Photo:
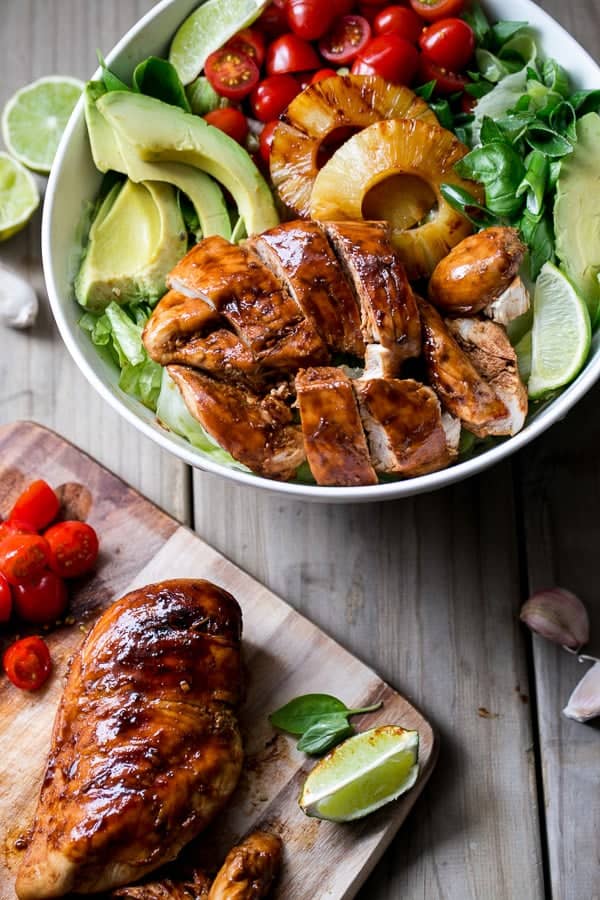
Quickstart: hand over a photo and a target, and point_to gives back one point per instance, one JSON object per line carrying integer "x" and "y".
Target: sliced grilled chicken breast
{"x": 389, "y": 313}
{"x": 487, "y": 346}
{"x": 234, "y": 281}
{"x": 299, "y": 254}
{"x": 403, "y": 421}
{"x": 146, "y": 747}
{"x": 334, "y": 440}
{"x": 256, "y": 431}
{"x": 249, "y": 869}
{"x": 512, "y": 303}
{"x": 196, "y": 888}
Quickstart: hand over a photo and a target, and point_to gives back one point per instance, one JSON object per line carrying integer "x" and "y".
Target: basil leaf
{"x": 513, "y": 127}
{"x": 555, "y": 77}
{"x": 542, "y": 137}
{"x": 490, "y": 66}
{"x": 500, "y": 169}
{"x": 585, "y": 101}
{"x": 477, "y": 19}
{"x": 538, "y": 234}
{"x": 490, "y": 131}
{"x": 325, "y": 733}
{"x": 158, "y": 78}
{"x": 442, "y": 110}
{"x": 299, "y": 714}
{"x": 505, "y": 30}
{"x": 553, "y": 173}
{"x": 535, "y": 182}
{"x": 466, "y": 204}
{"x": 426, "y": 90}
{"x": 479, "y": 89}
{"x": 111, "y": 81}
{"x": 563, "y": 119}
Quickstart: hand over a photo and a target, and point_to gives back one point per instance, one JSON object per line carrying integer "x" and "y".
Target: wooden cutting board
{"x": 285, "y": 654}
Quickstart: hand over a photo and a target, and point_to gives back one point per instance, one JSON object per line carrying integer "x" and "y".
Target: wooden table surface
{"x": 425, "y": 590}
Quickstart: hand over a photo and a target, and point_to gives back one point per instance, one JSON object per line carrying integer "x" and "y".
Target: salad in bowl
{"x": 348, "y": 251}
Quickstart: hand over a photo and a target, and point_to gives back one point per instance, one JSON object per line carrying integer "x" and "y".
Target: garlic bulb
{"x": 559, "y": 616}
{"x": 18, "y": 300}
{"x": 584, "y": 702}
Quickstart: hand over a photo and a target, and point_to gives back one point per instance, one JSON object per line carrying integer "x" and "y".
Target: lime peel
{"x": 19, "y": 196}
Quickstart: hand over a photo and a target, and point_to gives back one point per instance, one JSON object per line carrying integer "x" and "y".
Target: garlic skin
{"x": 584, "y": 702}
{"x": 559, "y": 616}
{"x": 18, "y": 301}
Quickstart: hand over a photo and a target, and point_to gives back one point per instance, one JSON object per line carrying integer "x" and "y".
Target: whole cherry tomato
{"x": 399, "y": 20}
{"x": 447, "y": 82}
{"x": 230, "y": 120}
{"x": 432, "y": 10}
{"x": 5, "y": 599}
{"x": 389, "y": 56}
{"x": 27, "y": 663}
{"x": 233, "y": 74}
{"x": 41, "y": 600}
{"x": 321, "y": 74}
{"x": 448, "y": 43}
{"x": 73, "y": 548}
{"x": 341, "y": 7}
{"x": 290, "y": 53}
{"x": 273, "y": 21}
{"x": 251, "y": 42}
{"x": 272, "y": 96}
{"x": 23, "y": 556}
{"x": 266, "y": 139}
{"x": 38, "y": 505}
{"x": 345, "y": 40}
{"x": 15, "y": 526}
{"x": 373, "y": 3}
{"x": 309, "y": 19}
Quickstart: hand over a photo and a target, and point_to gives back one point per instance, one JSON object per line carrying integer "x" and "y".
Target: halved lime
{"x": 208, "y": 28}
{"x": 36, "y": 116}
{"x": 561, "y": 335}
{"x": 19, "y": 196}
{"x": 361, "y": 774}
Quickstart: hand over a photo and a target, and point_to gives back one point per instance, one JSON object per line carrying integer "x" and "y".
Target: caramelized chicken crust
{"x": 249, "y": 868}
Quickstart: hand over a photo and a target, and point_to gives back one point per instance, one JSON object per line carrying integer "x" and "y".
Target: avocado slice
{"x": 137, "y": 237}
{"x": 111, "y": 151}
{"x": 158, "y": 132}
{"x": 577, "y": 213}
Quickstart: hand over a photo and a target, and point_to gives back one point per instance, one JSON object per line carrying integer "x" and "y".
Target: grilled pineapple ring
{"x": 397, "y": 147}
{"x": 349, "y": 101}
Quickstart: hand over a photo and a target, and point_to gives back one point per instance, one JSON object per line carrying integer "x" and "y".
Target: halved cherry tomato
{"x": 309, "y": 19}
{"x": 322, "y": 74}
{"x": 232, "y": 74}
{"x": 23, "y": 556}
{"x": 399, "y": 20}
{"x": 272, "y": 96}
{"x": 15, "y": 526}
{"x": 447, "y": 82}
{"x": 73, "y": 548}
{"x": 230, "y": 120}
{"x": 266, "y": 139}
{"x": 432, "y": 10}
{"x": 290, "y": 53}
{"x": 448, "y": 43}
{"x": 38, "y": 505}
{"x": 27, "y": 663}
{"x": 273, "y": 21}
{"x": 41, "y": 600}
{"x": 345, "y": 40}
{"x": 5, "y": 599}
{"x": 251, "y": 42}
{"x": 389, "y": 56}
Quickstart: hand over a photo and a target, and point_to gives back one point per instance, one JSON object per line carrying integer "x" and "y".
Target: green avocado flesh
{"x": 577, "y": 213}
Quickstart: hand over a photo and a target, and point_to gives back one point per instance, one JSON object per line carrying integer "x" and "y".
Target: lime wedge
{"x": 561, "y": 335}
{"x": 361, "y": 774}
{"x": 523, "y": 351}
{"x": 19, "y": 196}
{"x": 36, "y": 116}
{"x": 208, "y": 28}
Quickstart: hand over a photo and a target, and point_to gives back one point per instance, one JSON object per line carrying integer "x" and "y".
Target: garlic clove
{"x": 559, "y": 616}
{"x": 18, "y": 300}
{"x": 584, "y": 702}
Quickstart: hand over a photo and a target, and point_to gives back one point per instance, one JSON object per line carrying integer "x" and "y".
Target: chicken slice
{"x": 388, "y": 308}
{"x": 403, "y": 421}
{"x": 146, "y": 747}
{"x": 236, "y": 284}
{"x": 487, "y": 346}
{"x": 511, "y": 304}
{"x": 463, "y": 391}
{"x": 334, "y": 439}
{"x": 197, "y": 888}
{"x": 256, "y": 431}
{"x": 249, "y": 869}
{"x": 299, "y": 254}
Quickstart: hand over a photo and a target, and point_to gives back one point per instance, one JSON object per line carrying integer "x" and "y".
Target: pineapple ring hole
{"x": 333, "y": 141}
{"x": 402, "y": 200}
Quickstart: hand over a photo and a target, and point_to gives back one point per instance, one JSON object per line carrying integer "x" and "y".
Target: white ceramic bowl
{"x": 74, "y": 181}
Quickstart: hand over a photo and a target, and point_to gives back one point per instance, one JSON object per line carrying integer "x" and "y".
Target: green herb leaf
{"x": 500, "y": 169}
{"x": 442, "y": 110}
{"x": 535, "y": 181}
{"x": 464, "y": 203}
{"x": 158, "y": 78}
{"x": 505, "y": 30}
{"x": 325, "y": 733}
{"x": 542, "y": 137}
{"x": 111, "y": 81}
{"x": 479, "y": 89}
{"x": 491, "y": 66}
{"x": 477, "y": 19}
{"x": 585, "y": 102}
{"x": 563, "y": 119}
{"x": 538, "y": 234}
{"x": 426, "y": 90}
{"x": 300, "y": 714}
{"x": 490, "y": 131}
{"x": 514, "y": 126}
{"x": 555, "y": 77}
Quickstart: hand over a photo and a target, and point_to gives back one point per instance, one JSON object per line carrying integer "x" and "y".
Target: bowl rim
{"x": 556, "y": 410}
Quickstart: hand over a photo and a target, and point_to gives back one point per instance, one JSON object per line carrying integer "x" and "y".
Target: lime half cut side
{"x": 362, "y": 774}
{"x": 19, "y": 196}
{"x": 35, "y": 118}
{"x": 207, "y": 29}
{"x": 561, "y": 335}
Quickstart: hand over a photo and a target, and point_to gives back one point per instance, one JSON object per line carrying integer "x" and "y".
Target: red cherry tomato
{"x": 373, "y": 3}
{"x": 73, "y": 548}
{"x": 341, "y": 7}
{"x": 389, "y": 56}
{"x": 27, "y": 663}
{"x": 290, "y": 53}
{"x": 448, "y": 43}
{"x": 272, "y": 96}
{"x": 232, "y": 74}
{"x": 251, "y": 42}
{"x": 432, "y": 10}
{"x": 230, "y": 120}
{"x": 266, "y": 139}
{"x": 38, "y": 505}
{"x": 273, "y": 22}
{"x": 399, "y": 20}
{"x": 446, "y": 82}
{"x": 5, "y": 599}
{"x": 467, "y": 103}
{"x": 15, "y": 526}
{"x": 23, "y": 556}
{"x": 309, "y": 19}
{"x": 322, "y": 74}
{"x": 346, "y": 39}
{"x": 41, "y": 600}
